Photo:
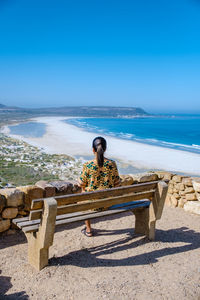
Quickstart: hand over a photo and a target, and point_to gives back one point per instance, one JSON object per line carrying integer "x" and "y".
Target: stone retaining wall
{"x": 183, "y": 192}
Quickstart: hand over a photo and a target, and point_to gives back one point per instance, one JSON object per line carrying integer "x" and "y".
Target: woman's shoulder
{"x": 88, "y": 163}
{"x": 109, "y": 161}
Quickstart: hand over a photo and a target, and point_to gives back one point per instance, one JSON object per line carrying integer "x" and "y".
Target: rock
{"x": 196, "y": 185}
{"x": 198, "y": 196}
{"x": 168, "y": 176}
{"x": 126, "y": 180}
{"x": 170, "y": 190}
{"x": 187, "y": 181}
{"x": 49, "y": 190}
{"x": 76, "y": 188}
{"x": 182, "y": 193}
{"x": 179, "y": 186}
{"x": 175, "y": 190}
{"x": 23, "y": 213}
{"x": 148, "y": 177}
{"x": 176, "y": 195}
{"x": 14, "y": 197}
{"x": 177, "y": 178}
{"x": 181, "y": 202}
{"x": 31, "y": 192}
{"x": 174, "y": 201}
{"x": 10, "y": 213}
{"x": 164, "y": 175}
{"x": 62, "y": 187}
{"x": 2, "y": 202}
{"x": 4, "y": 225}
{"x": 191, "y": 197}
{"x": 189, "y": 190}
{"x": 192, "y": 207}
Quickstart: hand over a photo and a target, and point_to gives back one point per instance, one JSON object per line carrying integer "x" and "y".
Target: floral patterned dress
{"x": 95, "y": 178}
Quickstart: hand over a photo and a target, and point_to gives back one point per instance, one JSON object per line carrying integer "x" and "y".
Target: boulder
{"x": 176, "y": 195}
{"x": 10, "y": 212}
{"x": 196, "y": 185}
{"x": 181, "y": 202}
{"x": 23, "y": 212}
{"x": 31, "y": 192}
{"x": 2, "y": 202}
{"x": 179, "y": 186}
{"x": 182, "y": 193}
{"x": 62, "y": 187}
{"x": 49, "y": 190}
{"x": 14, "y": 197}
{"x": 164, "y": 175}
{"x": 76, "y": 188}
{"x": 126, "y": 180}
{"x": 187, "y": 181}
{"x": 148, "y": 177}
{"x": 189, "y": 190}
{"x": 192, "y": 207}
{"x": 4, "y": 225}
{"x": 177, "y": 178}
{"x": 174, "y": 201}
{"x": 170, "y": 190}
{"x": 191, "y": 197}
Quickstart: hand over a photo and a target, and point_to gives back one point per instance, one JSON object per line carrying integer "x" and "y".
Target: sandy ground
{"x": 61, "y": 137}
{"x": 114, "y": 264}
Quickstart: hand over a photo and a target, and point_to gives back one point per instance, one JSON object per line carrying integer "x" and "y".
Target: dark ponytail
{"x": 99, "y": 146}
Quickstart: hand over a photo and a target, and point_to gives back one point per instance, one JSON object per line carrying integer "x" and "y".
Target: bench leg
{"x": 39, "y": 242}
{"x": 143, "y": 224}
{"x": 37, "y": 256}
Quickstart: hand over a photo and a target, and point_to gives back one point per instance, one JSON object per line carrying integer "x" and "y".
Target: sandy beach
{"x": 61, "y": 137}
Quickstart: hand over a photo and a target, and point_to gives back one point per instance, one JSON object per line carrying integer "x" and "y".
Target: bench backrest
{"x": 103, "y": 198}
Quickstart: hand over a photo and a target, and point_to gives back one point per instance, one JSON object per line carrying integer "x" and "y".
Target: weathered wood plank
{"x": 88, "y": 216}
{"x": 118, "y": 191}
{"x": 34, "y": 215}
{"x": 17, "y": 220}
{"x": 25, "y": 223}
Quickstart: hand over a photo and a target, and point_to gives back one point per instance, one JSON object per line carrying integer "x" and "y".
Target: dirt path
{"x": 114, "y": 264}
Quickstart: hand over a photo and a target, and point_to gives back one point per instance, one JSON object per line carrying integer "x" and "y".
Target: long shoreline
{"x": 64, "y": 138}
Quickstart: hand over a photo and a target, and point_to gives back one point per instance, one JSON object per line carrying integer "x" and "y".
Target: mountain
{"x": 78, "y": 111}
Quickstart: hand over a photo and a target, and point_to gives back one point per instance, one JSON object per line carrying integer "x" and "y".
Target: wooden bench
{"x": 145, "y": 200}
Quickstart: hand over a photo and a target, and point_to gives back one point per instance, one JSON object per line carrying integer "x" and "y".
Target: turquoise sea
{"x": 178, "y": 132}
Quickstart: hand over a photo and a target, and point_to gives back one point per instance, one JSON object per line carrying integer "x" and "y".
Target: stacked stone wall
{"x": 183, "y": 192}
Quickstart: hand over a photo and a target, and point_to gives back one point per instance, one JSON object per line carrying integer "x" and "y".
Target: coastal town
{"x": 21, "y": 163}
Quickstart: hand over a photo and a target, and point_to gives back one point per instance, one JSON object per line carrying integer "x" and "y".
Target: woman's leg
{"x": 88, "y": 227}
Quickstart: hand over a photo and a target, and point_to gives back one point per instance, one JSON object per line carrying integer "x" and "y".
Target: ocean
{"x": 177, "y": 132}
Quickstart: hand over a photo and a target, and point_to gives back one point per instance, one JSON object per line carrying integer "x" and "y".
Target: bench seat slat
{"x": 91, "y": 215}
{"x": 17, "y": 220}
{"x": 102, "y": 194}
{"x": 25, "y": 223}
{"x": 36, "y": 214}
{"x": 68, "y": 218}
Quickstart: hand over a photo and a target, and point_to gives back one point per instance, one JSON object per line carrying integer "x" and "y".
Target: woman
{"x": 98, "y": 174}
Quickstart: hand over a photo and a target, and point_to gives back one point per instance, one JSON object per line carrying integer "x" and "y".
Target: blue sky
{"x": 123, "y": 53}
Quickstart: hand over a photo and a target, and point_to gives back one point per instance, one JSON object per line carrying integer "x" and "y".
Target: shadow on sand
{"x": 5, "y": 285}
{"x": 90, "y": 257}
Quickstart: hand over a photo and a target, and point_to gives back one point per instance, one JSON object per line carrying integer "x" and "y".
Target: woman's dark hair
{"x": 99, "y": 146}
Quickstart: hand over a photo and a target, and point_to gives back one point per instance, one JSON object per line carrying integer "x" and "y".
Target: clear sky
{"x": 109, "y": 52}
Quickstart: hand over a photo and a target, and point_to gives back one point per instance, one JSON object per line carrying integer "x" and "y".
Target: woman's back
{"x": 94, "y": 177}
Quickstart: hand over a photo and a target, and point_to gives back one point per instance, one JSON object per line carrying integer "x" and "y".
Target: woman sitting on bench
{"x": 98, "y": 174}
